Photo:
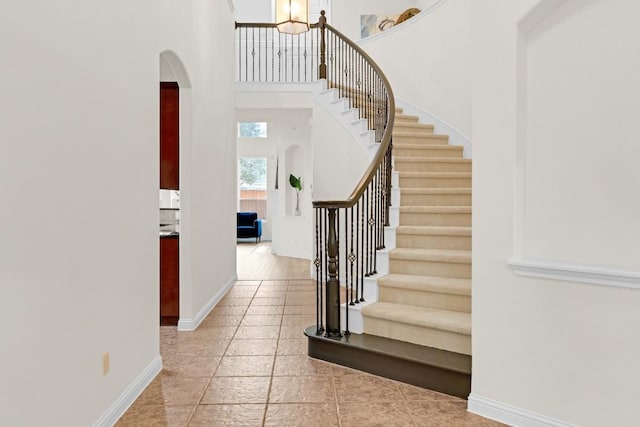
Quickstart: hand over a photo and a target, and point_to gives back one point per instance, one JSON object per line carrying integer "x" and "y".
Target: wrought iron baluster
{"x": 323, "y": 47}
{"x": 352, "y": 259}
{"x": 259, "y": 55}
{"x": 324, "y": 266}
{"x": 374, "y": 223}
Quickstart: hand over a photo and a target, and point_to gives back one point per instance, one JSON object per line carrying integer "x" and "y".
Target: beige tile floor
{"x": 246, "y": 365}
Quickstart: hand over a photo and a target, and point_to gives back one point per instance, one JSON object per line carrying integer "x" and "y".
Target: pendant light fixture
{"x": 292, "y": 16}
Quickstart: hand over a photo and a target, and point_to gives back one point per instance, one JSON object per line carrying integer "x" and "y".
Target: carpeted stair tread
{"x": 416, "y": 126}
{"x": 432, "y": 159}
{"x": 406, "y": 118}
{"x": 445, "y": 285}
{"x": 436, "y": 149}
{"x": 430, "y": 230}
{"x": 435, "y": 191}
{"x": 436, "y": 209}
{"x": 444, "y": 320}
{"x": 456, "y": 256}
{"x": 436, "y": 174}
{"x": 420, "y": 135}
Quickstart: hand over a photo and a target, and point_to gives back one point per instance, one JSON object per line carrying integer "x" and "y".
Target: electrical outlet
{"x": 105, "y": 363}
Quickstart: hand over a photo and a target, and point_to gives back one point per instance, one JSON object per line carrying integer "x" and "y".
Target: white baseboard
{"x": 510, "y": 415}
{"x": 126, "y": 399}
{"x": 192, "y": 324}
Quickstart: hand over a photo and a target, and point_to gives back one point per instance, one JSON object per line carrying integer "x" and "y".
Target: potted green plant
{"x": 296, "y": 183}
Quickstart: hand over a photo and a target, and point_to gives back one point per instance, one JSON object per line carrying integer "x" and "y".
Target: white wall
{"x": 556, "y": 92}
{"x": 427, "y": 62}
{"x": 79, "y": 257}
{"x": 339, "y": 162}
{"x": 254, "y": 11}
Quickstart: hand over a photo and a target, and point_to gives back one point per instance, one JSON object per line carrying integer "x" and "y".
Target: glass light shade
{"x": 292, "y": 16}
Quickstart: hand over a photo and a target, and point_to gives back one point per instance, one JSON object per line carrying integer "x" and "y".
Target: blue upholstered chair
{"x": 249, "y": 225}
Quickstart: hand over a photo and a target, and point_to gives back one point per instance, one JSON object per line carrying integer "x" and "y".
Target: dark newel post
{"x": 323, "y": 47}
{"x": 333, "y": 283}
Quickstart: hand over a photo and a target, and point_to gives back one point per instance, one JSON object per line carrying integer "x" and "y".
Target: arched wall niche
{"x": 295, "y": 164}
{"x": 577, "y": 65}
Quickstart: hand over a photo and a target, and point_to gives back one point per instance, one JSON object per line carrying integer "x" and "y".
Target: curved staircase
{"x": 426, "y": 297}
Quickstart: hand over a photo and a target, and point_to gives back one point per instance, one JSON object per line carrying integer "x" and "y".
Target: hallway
{"x": 246, "y": 365}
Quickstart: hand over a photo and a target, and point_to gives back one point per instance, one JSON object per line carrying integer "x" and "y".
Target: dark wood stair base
{"x": 426, "y": 367}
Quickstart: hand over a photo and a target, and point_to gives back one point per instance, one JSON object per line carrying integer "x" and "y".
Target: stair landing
{"x": 426, "y": 367}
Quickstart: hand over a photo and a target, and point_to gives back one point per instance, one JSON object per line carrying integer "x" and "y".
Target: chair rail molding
{"x": 595, "y": 275}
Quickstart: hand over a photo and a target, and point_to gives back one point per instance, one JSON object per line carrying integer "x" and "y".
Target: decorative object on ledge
{"x": 372, "y": 24}
{"x": 292, "y": 16}
{"x": 409, "y": 13}
{"x": 296, "y": 182}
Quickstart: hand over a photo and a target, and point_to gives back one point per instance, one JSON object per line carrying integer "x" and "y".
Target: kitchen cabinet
{"x": 169, "y": 135}
{"x": 169, "y": 280}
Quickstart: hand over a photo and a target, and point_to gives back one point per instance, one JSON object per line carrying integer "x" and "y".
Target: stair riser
{"x": 420, "y": 241}
{"x": 435, "y": 199}
{"x": 425, "y": 299}
{"x": 415, "y": 182}
{"x": 444, "y": 340}
{"x": 425, "y": 151}
{"x": 425, "y": 139}
{"x": 394, "y": 215}
{"x": 435, "y": 219}
{"x": 413, "y": 166}
{"x": 390, "y": 238}
{"x": 430, "y": 268}
{"x": 356, "y": 323}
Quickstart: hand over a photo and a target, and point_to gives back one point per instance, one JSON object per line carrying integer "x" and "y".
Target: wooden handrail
{"x": 264, "y": 25}
{"x": 386, "y": 138}
{"x": 348, "y": 232}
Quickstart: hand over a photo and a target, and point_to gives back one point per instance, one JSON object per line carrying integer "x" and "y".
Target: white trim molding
{"x": 441, "y": 126}
{"x": 596, "y": 275}
{"x": 126, "y": 399}
{"x": 186, "y": 325}
{"x": 510, "y": 415}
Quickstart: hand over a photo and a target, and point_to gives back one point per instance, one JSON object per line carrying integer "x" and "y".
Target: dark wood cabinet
{"x": 169, "y": 280}
{"x": 169, "y": 135}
